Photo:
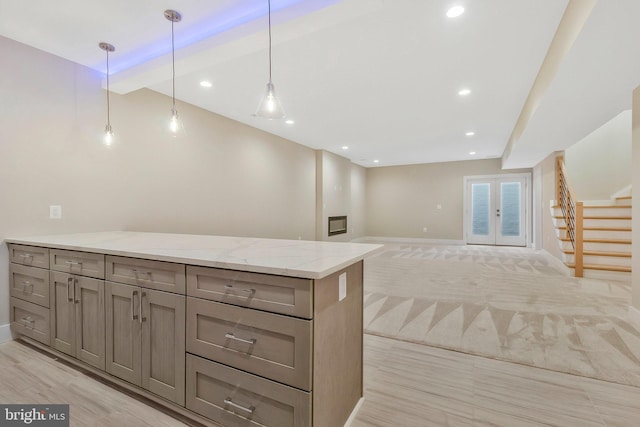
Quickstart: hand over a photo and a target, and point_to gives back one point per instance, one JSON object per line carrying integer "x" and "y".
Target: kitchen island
{"x": 227, "y": 331}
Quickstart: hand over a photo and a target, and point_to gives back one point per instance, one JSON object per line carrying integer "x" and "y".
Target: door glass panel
{"x": 510, "y": 208}
{"x": 480, "y": 208}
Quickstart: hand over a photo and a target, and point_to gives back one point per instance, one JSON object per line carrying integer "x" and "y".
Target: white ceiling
{"x": 380, "y": 76}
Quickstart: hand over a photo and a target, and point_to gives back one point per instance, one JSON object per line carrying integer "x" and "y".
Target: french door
{"x": 496, "y": 210}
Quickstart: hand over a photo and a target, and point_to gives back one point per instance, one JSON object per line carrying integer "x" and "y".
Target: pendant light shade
{"x": 270, "y": 106}
{"x": 108, "y": 131}
{"x": 175, "y": 123}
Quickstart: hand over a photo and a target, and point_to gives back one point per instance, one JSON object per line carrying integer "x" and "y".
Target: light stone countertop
{"x": 295, "y": 258}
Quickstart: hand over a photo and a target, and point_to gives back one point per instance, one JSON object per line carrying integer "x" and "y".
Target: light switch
{"x": 342, "y": 286}
{"x": 55, "y": 212}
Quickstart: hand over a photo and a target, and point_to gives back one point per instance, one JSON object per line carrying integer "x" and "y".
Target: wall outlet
{"x": 55, "y": 212}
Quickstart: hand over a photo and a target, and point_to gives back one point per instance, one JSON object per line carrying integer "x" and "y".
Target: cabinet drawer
{"x": 235, "y": 398}
{"x": 279, "y": 294}
{"x": 163, "y": 276}
{"x": 30, "y": 284}
{"x": 82, "y": 263}
{"x": 271, "y": 345}
{"x": 29, "y": 255}
{"x": 30, "y": 320}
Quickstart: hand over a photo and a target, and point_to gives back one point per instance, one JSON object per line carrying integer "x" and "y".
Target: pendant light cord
{"x": 269, "y": 2}
{"x": 108, "y": 101}
{"x": 173, "y": 62}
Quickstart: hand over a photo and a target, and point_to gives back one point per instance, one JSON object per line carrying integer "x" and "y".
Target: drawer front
{"x": 163, "y": 276}
{"x": 30, "y": 320}
{"x": 279, "y": 294}
{"x": 270, "y": 345}
{"x": 235, "y": 398}
{"x": 81, "y": 263}
{"x": 29, "y": 255}
{"x": 30, "y": 284}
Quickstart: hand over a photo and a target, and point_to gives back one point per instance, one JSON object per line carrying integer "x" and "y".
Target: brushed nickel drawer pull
{"x": 26, "y": 256}
{"x": 136, "y": 272}
{"x": 230, "y": 336}
{"x": 133, "y": 305}
{"x": 72, "y": 263}
{"x": 28, "y": 322}
{"x": 231, "y": 403}
{"x": 26, "y": 284}
{"x": 231, "y": 288}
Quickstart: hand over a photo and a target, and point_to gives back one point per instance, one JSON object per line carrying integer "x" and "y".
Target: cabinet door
{"x": 163, "y": 344}
{"x": 63, "y": 333}
{"x": 90, "y": 341}
{"x": 123, "y": 331}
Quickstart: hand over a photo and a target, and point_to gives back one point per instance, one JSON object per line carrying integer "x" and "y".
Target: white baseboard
{"x": 374, "y": 239}
{"x": 5, "y": 333}
{"x": 354, "y": 413}
{"x": 634, "y": 317}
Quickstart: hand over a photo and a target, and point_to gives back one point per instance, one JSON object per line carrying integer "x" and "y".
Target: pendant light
{"x": 108, "y": 131}
{"x": 270, "y": 107}
{"x": 175, "y": 123}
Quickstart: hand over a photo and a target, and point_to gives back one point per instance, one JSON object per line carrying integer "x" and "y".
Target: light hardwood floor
{"x": 406, "y": 385}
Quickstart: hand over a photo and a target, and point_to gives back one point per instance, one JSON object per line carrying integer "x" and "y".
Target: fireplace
{"x": 337, "y": 225}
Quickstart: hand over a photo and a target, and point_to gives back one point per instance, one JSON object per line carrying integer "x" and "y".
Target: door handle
{"x": 133, "y": 305}
{"x": 69, "y": 280}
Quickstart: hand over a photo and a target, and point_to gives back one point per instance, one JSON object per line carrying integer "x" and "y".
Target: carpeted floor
{"x": 503, "y": 303}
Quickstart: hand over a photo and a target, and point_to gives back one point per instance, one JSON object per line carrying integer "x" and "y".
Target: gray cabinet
{"x": 145, "y": 339}
{"x": 77, "y": 317}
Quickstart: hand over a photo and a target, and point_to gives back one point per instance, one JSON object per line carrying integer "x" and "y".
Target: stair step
{"x": 599, "y": 253}
{"x": 619, "y": 268}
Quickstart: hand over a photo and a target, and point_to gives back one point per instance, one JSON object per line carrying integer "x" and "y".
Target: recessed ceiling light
{"x": 289, "y": 122}
{"x": 455, "y": 11}
{"x": 345, "y": 147}
{"x": 376, "y": 161}
{"x": 464, "y": 92}
{"x": 472, "y": 153}
{"x": 205, "y": 83}
{"x": 470, "y": 133}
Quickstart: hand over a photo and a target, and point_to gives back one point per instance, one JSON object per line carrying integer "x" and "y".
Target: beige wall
{"x": 402, "y": 200}
{"x": 635, "y": 226}
{"x": 222, "y": 178}
{"x": 357, "y": 218}
{"x": 546, "y": 169}
{"x": 600, "y": 164}
{"x": 333, "y": 193}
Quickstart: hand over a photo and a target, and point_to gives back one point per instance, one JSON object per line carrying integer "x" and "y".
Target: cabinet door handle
{"x": 247, "y": 291}
{"x": 231, "y": 403}
{"x": 69, "y": 280}
{"x": 133, "y": 305}
{"x": 230, "y": 336}
{"x": 142, "y": 319}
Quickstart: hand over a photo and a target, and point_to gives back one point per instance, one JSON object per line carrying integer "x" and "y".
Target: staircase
{"x": 606, "y": 239}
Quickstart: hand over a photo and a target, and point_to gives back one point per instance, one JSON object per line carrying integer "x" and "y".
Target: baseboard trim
{"x": 634, "y": 317}
{"x": 5, "y": 333}
{"x": 373, "y": 239}
{"x": 354, "y": 413}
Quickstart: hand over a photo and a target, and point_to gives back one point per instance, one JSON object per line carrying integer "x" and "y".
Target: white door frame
{"x": 527, "y": 214}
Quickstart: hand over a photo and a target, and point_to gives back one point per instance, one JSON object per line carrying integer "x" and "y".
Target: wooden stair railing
{"x": 572, "y": 211}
